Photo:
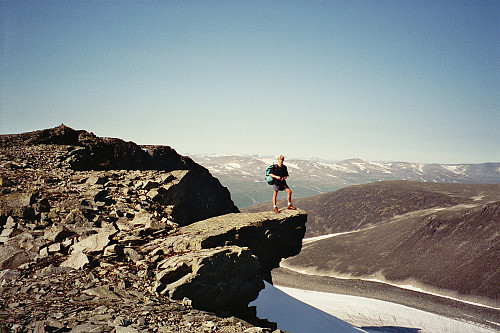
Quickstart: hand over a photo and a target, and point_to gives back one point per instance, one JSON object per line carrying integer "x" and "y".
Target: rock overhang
{"x": 228, "y": 256}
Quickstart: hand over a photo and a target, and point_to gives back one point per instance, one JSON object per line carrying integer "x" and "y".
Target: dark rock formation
{"x": 86, "y": 151}
{"x": 222, "y": 279}
{"x": 86, "y": 232}
{"x": 196, "y": 196}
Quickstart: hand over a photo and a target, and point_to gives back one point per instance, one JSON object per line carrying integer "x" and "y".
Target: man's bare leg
{"x": 275, "y": 208}
{"x": 289, "y": 197}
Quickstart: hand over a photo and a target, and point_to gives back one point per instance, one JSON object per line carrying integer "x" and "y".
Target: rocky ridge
{"x": 102, "y": 235}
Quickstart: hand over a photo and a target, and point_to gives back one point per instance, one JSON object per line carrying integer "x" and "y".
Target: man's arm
{"x": 274, "y": 176}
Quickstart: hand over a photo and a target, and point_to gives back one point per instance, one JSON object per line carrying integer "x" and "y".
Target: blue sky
{"x": 378, "y": 80}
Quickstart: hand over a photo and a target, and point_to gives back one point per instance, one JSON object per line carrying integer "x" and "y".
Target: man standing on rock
{"x": 279, "y": 173}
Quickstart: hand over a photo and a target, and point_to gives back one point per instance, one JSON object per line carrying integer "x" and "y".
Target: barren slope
{"x": 443, "y": 237}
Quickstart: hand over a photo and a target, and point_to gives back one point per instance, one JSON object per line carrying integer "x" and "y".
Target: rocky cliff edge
{"x": 103, "y": 235}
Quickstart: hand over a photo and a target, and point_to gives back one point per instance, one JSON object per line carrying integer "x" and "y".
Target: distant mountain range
{"x": 436, "y": 236}
{"x": 243, "y": 175}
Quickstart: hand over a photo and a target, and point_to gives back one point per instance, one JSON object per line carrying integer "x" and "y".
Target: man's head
{"x": 281, "y": 158}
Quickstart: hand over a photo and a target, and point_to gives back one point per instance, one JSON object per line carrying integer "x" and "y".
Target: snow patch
{"x": 232, "y": 165}
{"x": 456, "y": 169}
{"x": 380, "y": 316}
{"x": 340, "y": 168}
{"x": 291, "y": 165}
{"x": 317, "y": 238}
{"x": 380, "y": 165}
{"x": 361, "y": 166}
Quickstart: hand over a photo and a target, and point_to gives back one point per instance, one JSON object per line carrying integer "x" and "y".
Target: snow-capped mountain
{"x": 244, "y": 175}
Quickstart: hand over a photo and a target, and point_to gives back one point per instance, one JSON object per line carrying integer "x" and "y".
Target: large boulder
{"x": 94, "y": 243}
{"x": 12, "y": 257}
{"x": 220, "y": 280}
{"x": 76, "y": 260}
{"x": 194, "y": 196}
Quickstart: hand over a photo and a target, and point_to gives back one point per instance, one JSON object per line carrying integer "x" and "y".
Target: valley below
{"x": 429, "y": 246}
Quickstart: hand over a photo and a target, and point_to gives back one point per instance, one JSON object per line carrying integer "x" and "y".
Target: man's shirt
{"x": 280, "y": 172}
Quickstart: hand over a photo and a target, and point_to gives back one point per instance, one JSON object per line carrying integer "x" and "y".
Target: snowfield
{"x": 295, "y": 316}
{"x": 304, "y": 311}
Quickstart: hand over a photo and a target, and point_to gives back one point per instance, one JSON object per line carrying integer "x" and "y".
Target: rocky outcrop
{"x": 171, "y": 179}
{"x": 196, "y": 196}
{"x": 233, "y": 249}
{"x": 102, "y": 234}
{"x": 270, "y": 236}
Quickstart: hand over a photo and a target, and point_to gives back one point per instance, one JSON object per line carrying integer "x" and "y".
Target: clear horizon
{"x": 314, "y": 158}
{"x": 414, "y": 81}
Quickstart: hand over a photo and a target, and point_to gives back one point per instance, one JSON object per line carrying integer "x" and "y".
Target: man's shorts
{"x": 281, "y": 187}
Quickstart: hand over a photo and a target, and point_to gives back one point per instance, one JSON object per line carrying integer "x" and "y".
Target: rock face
{"x": 270, "y": 236}
{"x": 99, "y": 234}
{"x": 223, "y": 279}
{"x": 242, "y": 249}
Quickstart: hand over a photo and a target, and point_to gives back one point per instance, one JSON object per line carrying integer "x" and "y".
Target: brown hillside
{"x": 455, "y": 249}
{"x": 438, "y": 236}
